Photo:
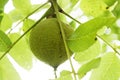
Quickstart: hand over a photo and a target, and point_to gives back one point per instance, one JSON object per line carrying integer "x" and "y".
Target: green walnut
{"x": 46, "y": 42}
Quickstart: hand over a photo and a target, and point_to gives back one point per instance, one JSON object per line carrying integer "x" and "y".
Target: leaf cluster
{"x": 94, "y": 41}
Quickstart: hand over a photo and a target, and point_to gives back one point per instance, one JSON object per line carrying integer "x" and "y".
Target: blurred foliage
{"x": 95, "y": 42}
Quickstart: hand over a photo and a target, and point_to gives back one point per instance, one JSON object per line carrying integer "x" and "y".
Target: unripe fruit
{"x": 47, "y": 44}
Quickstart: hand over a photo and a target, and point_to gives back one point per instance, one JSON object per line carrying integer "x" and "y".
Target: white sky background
{"x": 40, "y": 71}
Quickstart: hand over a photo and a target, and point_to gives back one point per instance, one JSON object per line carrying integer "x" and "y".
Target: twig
{"x": 27, "y": 16}
{"x": 24, "y": 35}
{"x": 63, "y": 36}
{"x": 108, "y": 44}
{"x": 70, "y": 16}
{"x": 55, "y": 69}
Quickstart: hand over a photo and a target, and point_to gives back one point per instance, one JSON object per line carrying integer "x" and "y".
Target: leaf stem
{"x": 108, "y": 44}
{"x": 55, "y": 69}
{"x": 54, "y": 3}
{"x": 27, "y": 16}
{"x": 70, "y": 16}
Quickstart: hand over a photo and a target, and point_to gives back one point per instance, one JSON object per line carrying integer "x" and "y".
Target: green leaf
{"x": 21, "y": 52}
{"x": 2, "y": 4}
{"x": 5, "y": 42}
{"x": 102, "y": 31}
{"x": 69, "y": 7}
{"x": 26, "y": 25}
{"x": 0, "y": 75}
{"x": 115, "y": 30}
{"x": 109, "y": 68}
{"x": 23, "y": 5}
{"x": 7, "y": 71}
{"x": 1, "y": 16}
{"x": 109, "y": 2}
{"x": 89, "y": 54}
{"x": 73, "y": 24}
{"x": 15, "y": 15}
{"x": 93, "y": 8}
{"x": 116, "y": 10}
{"x": 6, "y": 22}
{"x": 88, "y": 66}
{"x": 65, "y": 75}
{"x": 85, "y": 34}
{"x": 81, "y": 43}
